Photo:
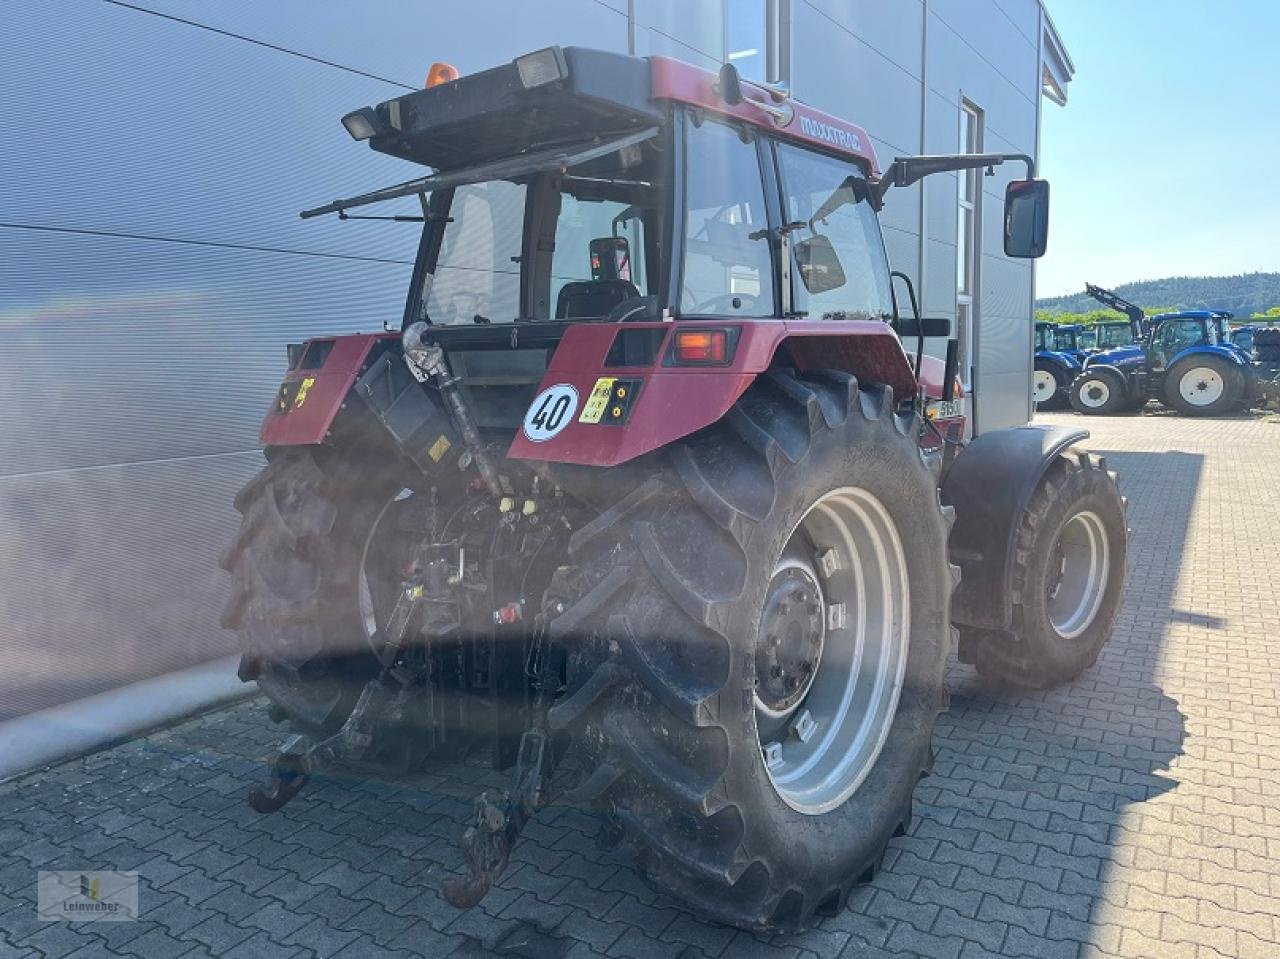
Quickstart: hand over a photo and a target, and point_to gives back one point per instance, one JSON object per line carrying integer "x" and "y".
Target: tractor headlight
{"x": 542, "y": 67}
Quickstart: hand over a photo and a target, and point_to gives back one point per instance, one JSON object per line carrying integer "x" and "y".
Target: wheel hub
{"x": 789, "y": 644}
{"x": 829, "y": 668}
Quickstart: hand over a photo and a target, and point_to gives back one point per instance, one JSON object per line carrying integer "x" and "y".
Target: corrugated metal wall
{"x": 152, "y": 265}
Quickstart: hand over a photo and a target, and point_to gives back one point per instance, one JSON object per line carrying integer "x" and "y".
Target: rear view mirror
{"x": 610, "y": 258}
{"x": 730, "y": 85}
{"x": 1026, "y": 218}
{"x": 818, "y": 264}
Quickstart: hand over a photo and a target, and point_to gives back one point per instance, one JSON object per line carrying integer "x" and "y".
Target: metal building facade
{"x": 152, "y": 265}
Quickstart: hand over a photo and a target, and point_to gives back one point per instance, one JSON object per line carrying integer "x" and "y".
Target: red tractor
{"x": 646, "y": 496}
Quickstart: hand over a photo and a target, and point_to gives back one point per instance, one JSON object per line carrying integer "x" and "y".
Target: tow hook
{"x": 488, "y": 841}
{"x": 300, "y": 757}
{"x": 493, "y": 832}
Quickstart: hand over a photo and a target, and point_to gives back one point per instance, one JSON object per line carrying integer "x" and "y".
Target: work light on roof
{"x": 542, "y": 67}
{"x": 361, "y": 124}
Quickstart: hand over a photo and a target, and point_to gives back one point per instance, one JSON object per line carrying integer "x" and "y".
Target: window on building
{"x": 727, "y": 264}
{"x": 850, "y": 275}
{"x": 968, "y": 234}
{"x": 756, "y": 38}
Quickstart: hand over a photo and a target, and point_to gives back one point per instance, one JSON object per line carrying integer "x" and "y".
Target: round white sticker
{"x": 550, "y": 412}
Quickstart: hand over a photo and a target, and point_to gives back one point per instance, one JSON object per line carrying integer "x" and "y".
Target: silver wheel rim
{"x": 1083, "y": 554}
{"x": 1202, "y": 386}
{"x": 1043, "y": 385}
{"x": 364, "y": 594}
{"x": 818, "y": 751}
{"x": 1095, "y": 393}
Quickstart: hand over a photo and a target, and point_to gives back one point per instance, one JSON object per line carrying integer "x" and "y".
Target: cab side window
{"x": 839, "y": 268}
{"x": 728, "y": 267}
{"x": 1173, "y": 337}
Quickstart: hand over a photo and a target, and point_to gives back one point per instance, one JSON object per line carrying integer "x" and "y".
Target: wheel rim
{"x": 1043, "y": 386}
{"x": 1083, "y": 556}
{"x": 821, "y": 735}
{"x": 1095, "y": 394}
{"x": 1201, "y": 386}
{"x": 369, "y": 605}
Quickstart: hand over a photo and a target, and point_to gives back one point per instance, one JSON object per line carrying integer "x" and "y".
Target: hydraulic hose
{"x": 429, "y": 360}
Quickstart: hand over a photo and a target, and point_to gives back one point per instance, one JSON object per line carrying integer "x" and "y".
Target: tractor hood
{"x": 1066, "y": 359}
{"x": 1118, "y": 356}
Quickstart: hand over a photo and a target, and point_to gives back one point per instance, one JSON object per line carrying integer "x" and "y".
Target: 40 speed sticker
{"x": 550, "y": 412}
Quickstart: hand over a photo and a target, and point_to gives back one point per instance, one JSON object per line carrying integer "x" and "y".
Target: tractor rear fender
{"x": 990, "y": 485}
{"x": 1227, "y": 353}
{"x": 316, "y": 386}
{"x": 664, "y": 401}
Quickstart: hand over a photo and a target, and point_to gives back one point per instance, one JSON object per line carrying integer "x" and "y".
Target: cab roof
{"x": 1194, "y": 315}
{"x": 505, "y": 111}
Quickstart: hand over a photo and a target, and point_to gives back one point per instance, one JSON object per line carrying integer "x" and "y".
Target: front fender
{"x": 990, "y": 485}
{"x": 671, "y": 402}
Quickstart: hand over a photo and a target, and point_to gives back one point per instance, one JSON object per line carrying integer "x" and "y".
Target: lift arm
{"x": 1135, "y": 313}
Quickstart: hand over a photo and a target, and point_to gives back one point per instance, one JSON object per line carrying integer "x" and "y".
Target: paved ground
{"x": 1134, "y": 813}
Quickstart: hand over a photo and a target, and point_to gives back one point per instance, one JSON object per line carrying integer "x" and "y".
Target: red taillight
{"x": 441, "y": 73}
{"x": 696, "y": 347}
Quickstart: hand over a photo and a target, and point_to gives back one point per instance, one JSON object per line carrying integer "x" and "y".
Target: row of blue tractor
{"x": 1191, "y": 361}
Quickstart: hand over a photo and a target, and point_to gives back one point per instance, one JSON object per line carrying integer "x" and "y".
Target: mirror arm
{"x": 904, "y": 171}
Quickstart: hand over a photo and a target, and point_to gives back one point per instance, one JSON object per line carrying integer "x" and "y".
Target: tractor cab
{"x": 574, "y": 190}
{"x": 1108, "y": 335}
{"x": 1068, "y": 338}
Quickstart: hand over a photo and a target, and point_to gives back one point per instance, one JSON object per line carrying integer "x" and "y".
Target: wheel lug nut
{"x": 782, "y": 608}
{"x": 775, "y": 671}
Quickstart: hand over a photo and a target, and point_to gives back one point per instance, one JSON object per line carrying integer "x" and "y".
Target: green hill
{"x": 1244, "y": 295}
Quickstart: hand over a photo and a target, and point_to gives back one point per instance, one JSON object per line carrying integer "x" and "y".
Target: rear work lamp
{"x": 542, "y": 67}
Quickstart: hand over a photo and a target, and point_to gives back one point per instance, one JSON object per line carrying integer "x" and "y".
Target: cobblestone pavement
{"x": 1135, "y": 812}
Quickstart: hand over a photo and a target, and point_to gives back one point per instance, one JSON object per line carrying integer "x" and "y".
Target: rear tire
{"x": 681, "y": 580}
{"x": 295, "y": 605}
{"x": 1067, "y": 590}
{"x": 1203, "y": 386}
{"x": 1047, "y": 389}
{"x": 1097, "y": 394}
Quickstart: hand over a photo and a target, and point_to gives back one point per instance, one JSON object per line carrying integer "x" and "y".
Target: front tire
{"x": 705, "y": 591}
{"x": 1097, "y": 394}
{"x": 1067, "y": 590}
{"x": 1203, "y": 386}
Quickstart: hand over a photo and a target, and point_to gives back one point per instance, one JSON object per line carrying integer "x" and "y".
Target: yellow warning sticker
{"x": 438, "y": 449}
{"x": 593, "y": 410}
{"x": 303, "y": 390}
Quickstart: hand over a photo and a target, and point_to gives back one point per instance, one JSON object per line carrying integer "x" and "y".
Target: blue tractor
{"x": 1186, "y": 360}
{"x": 1058, "y": 362}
